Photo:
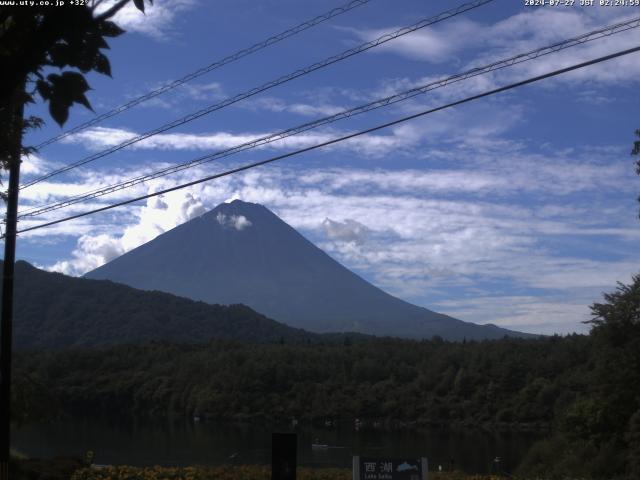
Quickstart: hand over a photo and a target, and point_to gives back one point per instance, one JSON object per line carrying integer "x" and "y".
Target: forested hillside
{"x": 584, "y": 389}
{"x": 56, "y": 311}
{"x": 510, "y": 382}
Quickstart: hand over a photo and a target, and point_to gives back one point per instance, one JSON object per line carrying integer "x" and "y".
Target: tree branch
{"x": 113, "y": 10}
{"x": 95, "y": 4}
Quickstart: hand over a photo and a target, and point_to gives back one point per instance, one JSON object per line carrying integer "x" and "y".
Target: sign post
{"x": 283, "y": 456}
{"x": 369, "y": 468}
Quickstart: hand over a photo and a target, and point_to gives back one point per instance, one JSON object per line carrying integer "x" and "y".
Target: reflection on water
{"x": 183, "y": 443}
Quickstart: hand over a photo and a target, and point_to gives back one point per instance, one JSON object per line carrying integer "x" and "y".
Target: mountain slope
{"x": 52, "y": 310}
{"x": 243, "y": 253}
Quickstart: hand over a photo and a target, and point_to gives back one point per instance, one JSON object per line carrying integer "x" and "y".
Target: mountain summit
{"x": 241, "y": 252}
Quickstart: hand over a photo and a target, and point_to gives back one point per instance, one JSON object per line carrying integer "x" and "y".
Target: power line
{"x": 213, "y": 66}
{"x": 392, "y": 99}
{"x": 340, "y": 139}
{"x": 254, "y": 91}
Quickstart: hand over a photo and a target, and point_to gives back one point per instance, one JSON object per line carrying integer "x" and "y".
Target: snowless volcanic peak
{"x": 242, "y": 252}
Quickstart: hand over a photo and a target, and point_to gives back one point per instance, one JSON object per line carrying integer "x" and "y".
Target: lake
{"x": 183, "y": 442}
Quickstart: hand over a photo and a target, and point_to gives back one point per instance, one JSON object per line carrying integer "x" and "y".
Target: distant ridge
{"x": 54, "y": 311}
{"x": 241, "y": 252}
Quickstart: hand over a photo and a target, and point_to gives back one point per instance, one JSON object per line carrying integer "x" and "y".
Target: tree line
{"x": 583, "y": 389}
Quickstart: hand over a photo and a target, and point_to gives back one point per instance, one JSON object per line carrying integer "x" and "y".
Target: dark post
{"x": 7, "y": 312}
{"x": 283, "y": 456}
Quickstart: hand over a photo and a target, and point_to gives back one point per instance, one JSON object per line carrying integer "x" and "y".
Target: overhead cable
{"x": 392, "y": 99}
{"x": 273, "y": 83}
{"x": 338, "y": 139}
{"x": 213, "y": 66}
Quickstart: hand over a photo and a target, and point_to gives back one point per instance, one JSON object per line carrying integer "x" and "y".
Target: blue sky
{"x": 518, "y": 209}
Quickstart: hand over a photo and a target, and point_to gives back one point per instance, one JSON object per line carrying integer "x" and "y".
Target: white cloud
{"x": 239, "y": 222}
{"x": 103, "y": 137}
{"x": 33, "y": 165}
{"x": 349, "y": 230}
{"x": 477, "y": 208}
{"x": 203, "y": 91}
{"x": 453, "y": 41}
{"x": 523, "y": 312}
{"x": 184, "y": 96}
{"x": 278, "y": 105}
{"x": 157, "y": 216}
{"x": 157, "y": 21}
{"x": 481, "y": 226}
{"x": 486, "y": 175}
{"x": 91, "y": 252}
{"x": 431, "y": 44}
{"x": 401, "y": 230}
{"x": 44, "y": 236}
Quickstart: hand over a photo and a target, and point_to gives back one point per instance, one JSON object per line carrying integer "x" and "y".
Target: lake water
{"x": 181, "y": 443}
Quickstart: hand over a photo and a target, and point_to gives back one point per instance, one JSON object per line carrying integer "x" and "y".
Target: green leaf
{"x": 139, "y": 5}
{"x": 68, "y": 83}
{"x": 82, "y": 99}
{"x": 109, "y": 29}
{"x": 94, "y": 41}
{"x": 76, "y": 86}
{"x": 101, "y": 64}
{"x": 32, "y": 122}
{"x": 59, "y": 111}
{"x": 84, "y": 60}
{"x": 65, "y": 90}
{"x": 101, "y": 42}
{"x": 44, "y": 89}
{"x": 59, "y": 55}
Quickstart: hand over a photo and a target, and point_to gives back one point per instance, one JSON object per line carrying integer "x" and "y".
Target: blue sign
{"x": 370, "y": 468}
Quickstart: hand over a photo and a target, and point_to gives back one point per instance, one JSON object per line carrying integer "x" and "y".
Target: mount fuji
{"x": 242, "y": 252}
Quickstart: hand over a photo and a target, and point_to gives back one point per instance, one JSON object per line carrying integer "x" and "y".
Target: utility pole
{"x": 6, "y": 321}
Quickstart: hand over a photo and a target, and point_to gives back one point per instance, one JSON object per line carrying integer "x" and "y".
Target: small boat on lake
{"x": 316, "y": 445}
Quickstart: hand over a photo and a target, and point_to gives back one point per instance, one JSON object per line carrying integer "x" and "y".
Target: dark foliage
{"x": 598, "y": 434}
{"x": 636, "y": 151}
{"x": 508, "y": 383}
{"x": 50, "y": 469}
{"x": 41, "y": 37}
{"x": 585, "y": 389}
{"x": 55, "y": 311}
